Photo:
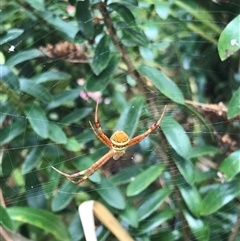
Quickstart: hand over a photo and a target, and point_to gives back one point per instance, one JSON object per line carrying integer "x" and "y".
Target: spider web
{"x": 39, "y": 191}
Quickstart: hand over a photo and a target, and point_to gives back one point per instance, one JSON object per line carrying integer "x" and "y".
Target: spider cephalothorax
{"x": 117, "y": 143}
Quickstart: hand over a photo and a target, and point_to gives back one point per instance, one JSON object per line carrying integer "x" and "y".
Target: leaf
{"x": 129, "y": 118}
{"x": 63, "y": 97}
{"x": 219, "y": 196}
{"x": 9, "y": 162}
{"x": 101, "y": 55}
{"x": 234, "y": 105}
{"x": 5, "y": 220}
{"x": 111, "y": 194}
{"x": 35, "y": 90}
{"x": 24, "y": 56}
{"x": 100, "y": 82}
{"x": 76, "y": 115}
{"x": 199, "y": 227}
{"x": 9, "y": 78}
{"x": 229, "y": 40}
{"x": 199, "y": 151}
{"x": 163, "y": 9}
{"x": 124, "y": 12}
{"x": 231, "y": 165}
{"x": 144, "y": 179}
{"x": 84, "y": 19}
{"x": 41, "y": 219}
{"x": 185, "y": 166}
{"x": 67, "y": 29}
{"x": 72, "y": 145}
{"x": 50, "y": 76}
{"x": 37, "y": 4}
{"x": 133, "y": 34}
{"x": 155, "y": 220}
{"x": 64, "y": 196}
{"x": 163, "y": 83}
{"x": 130, "y": 216}
{"x": 12, "y": 131}
{"x": 176, "y": 136}
{"x": 190, "y": 195}
{"x": 37, "y": 119}
{"x": 56, "y": 134}
{"x": 32, "y": 160}
{"x": 10, "y": 35}
{"x": 5, "y": 108}
{"x": 152, "y": 203}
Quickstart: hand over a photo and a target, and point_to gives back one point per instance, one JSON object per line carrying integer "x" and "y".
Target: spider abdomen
{"x": 119, "y": 141}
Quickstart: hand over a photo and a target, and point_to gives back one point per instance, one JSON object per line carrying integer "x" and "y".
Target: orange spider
{"x": 118, "y": 143}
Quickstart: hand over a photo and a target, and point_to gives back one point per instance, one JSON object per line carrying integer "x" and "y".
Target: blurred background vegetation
{"x": 58, "y": 58}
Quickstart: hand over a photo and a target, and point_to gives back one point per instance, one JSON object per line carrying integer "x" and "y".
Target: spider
{"x": 118, "y": 143}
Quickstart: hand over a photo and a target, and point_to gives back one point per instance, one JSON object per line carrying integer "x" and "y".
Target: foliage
{"x": 59, "y": 58}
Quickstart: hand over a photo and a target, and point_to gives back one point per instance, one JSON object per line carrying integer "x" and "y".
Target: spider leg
{"x": 139, "y": 138}
{"x": 88, "y": 172}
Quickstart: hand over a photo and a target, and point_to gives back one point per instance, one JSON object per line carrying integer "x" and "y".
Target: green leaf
{"x": 32, "y": 160}
{"x": 37, "y": 4}
{"x": 41, "y": 219}
{"x": 144, "y": 179}
{"x": 152, "y": 203}
{"x": 56, "y": 134}
{"x": 5, "y": 220}
{"x": 100, "y": 82}
{"x": 8, "y": 12}
{"x": 234, "y": 105}
{"x": 50, "y": 76}
{"x": 9, "y": 157}
{"x": 155, "y": 220}
{"x": 111, "y": 194}
{"x": 185, "y": 166}
{"x": 133, "y": 34}
{"x": 219, "y": 196}
{"x": 124, "y": 12}
{"x": 203, "y": 151}
{"x": 76, "y": 115}
{"x": 163, "y": 9}
{"x": 5, "y": 108}
{"x": 24, "y": 56}
{"x": 10, "y": 35}
{"x": 199, "y": 227}
{"x": 84, "y": 19}
{"x": 229, "y": 41}
{"x": 163, "y": 83}
{"x": 101, "y": 55}
{"x": 37, "y": 119}
{"x": 67, "y": 29}
{"x": 35, "y": 90}
{"x": 176, "y": 136}
{"x": 64, "y": 196}
{"x": 190, "y": 195}
{"x": 12, "y": 131}
{"x": 63, "y": 97}
{"x": 72, "y": 145}
{"x": 9, "y": 78}
{"x": 130, "y": 216}
{"x": 129, "y": 118}
{"x": 231, "y": 165}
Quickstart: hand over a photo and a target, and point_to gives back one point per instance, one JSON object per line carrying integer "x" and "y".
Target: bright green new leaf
{"x": 41, "y": 219}
{"x": 37, "y": 119}
{"x": 163, "y": 9}
{"x": 24, "y": 56}
{"x": 219, "y": 196}
{"x": 152, "y": 203}
{"x": 234, "y": 105}
{"x": 176, "y": 136}
{"x": 231, "y": 165}
{"x": 229, "y": 41}
{"x": 144, "y": 179}
{"x": 5, "y": 220}
{"x": 128, "y": 121}
{"x": 101, "y": 55}
{"x": 163, "y": 83}
{"x": 111, "y": 194}
{"x": 199, "y": 227}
